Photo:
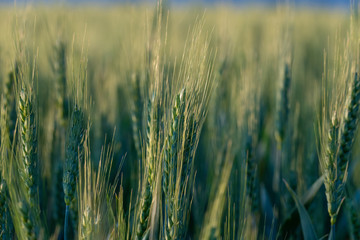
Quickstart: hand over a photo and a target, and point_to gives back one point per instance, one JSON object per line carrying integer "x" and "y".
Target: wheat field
{"x": 141, "y": 121}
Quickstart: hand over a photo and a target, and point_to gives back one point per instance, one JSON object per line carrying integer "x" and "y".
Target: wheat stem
{"x": 66, "y": 224}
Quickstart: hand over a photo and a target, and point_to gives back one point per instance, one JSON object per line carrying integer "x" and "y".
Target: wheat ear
{"x": 170, "y": 165}
{"x": 349, "y": 130}
{"x": 28, "y": 147}
{"x": 73, "y": 156}
{"x": 152, "y": 130}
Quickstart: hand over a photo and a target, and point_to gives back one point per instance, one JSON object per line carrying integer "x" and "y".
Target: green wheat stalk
{"x": 152, "y": 131}
{"x": 170, "y": 166}
{"x": 349, "y": 129}
{"x": 28, "y": 148}
{"x": 337, "y": 153}
{"x": 73, "y": 156}
{"x": 331, "y": 191}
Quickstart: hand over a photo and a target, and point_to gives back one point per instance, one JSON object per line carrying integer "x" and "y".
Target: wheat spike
{"x": 28, "y": 147}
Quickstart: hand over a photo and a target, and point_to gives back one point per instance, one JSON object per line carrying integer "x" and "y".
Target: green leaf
{"x": 314, "y": 189}
{"x": 306, "y": 224}
{"x": 292, "y": 220}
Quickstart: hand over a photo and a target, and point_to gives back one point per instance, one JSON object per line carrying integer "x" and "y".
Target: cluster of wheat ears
{"x": 202, "y": 152}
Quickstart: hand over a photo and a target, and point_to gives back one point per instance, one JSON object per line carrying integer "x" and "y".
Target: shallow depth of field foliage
{"x": 164, "y": 122}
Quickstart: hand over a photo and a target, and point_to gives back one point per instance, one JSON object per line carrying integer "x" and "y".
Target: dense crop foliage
{"x": 153, "y": 122}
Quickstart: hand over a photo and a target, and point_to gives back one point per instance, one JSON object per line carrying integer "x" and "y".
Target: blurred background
{"x": 342, "y": 4}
